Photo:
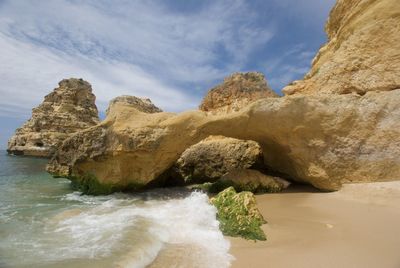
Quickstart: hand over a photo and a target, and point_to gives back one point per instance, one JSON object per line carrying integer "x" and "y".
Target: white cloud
{"x": 35, "y": 71}
{"x": 291, "y": 65}
{"x": 129, "y": 47}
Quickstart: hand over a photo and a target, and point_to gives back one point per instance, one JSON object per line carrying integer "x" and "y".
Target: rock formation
{"x": 211, "y": 158}
{"x": 324, "y": 140}
{"x": 249, "y": 180}
{"x": 321, "y": 139}
{"x": 141, "y": 104}
{"x": 237, "y": 91}
{"x": 362, "y": 53}
{"x": 68, "y": 109}
{"x": 238, "y": 214}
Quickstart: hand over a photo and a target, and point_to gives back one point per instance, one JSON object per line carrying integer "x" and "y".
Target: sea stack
{"x": 69, "y": 108}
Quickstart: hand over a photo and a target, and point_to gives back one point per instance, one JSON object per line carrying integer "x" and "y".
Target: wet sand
{"x": 358, "y": 226}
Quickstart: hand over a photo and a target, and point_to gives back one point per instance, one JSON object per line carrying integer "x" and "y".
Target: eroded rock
{"x": 324, "y": 140}
{"x": 67, "y": 110}
{"x": 211, "y": 158}
{"x": 362, "y": 53}
{"x": 249, "y": 180}
{"x": 237, "y": 91}
{"x": 141, "y": 104}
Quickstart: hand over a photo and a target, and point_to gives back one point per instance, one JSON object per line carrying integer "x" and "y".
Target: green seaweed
{"x": 89, "y": 184}
{"x": 238, "y": 214}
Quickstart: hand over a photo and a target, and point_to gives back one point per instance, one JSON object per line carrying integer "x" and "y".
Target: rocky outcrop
{"x": 362, "y": 53}
{"x": 208, "y": 160}
{"x": 141, "y": 104}
{"x": 237, "y": 91}
{"x": 68, "y": 109}
{"x": 324, "y": 140}
{"x": 238, "y": 214}
{"x": 249, "y": 180}
{"x": 211, "y": 158}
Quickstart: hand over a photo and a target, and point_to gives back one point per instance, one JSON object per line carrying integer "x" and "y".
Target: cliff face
{"x": 324, "y": 140}
{"x": 237, "y": 91}
{"x": 68, "y": 109}
{"x": 323, "y": 137}
{"x": 362, "y": 53}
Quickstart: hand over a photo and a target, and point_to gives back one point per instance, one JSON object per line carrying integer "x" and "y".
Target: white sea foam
{"x": 138, "y": 231}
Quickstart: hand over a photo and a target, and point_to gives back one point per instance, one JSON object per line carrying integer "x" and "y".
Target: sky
{"x": 171, "y": 51}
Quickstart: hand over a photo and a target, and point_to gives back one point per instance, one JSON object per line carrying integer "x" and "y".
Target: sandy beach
{"x": 357, "y": 226}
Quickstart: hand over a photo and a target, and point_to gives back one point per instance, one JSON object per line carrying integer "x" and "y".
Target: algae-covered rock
{"x": 249, "y": 180}
{"x": 238, "y": 214}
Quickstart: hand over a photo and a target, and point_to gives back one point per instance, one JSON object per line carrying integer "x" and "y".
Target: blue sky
{"x": 171, "y": 51}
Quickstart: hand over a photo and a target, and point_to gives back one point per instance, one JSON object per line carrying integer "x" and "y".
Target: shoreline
{"x": 357, "y": 226}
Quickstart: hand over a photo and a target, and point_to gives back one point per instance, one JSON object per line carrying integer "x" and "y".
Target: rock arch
{"x": 323, "y": 140}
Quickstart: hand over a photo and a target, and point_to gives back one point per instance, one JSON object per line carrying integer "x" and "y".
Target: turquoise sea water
{"x": 44, "y": 223}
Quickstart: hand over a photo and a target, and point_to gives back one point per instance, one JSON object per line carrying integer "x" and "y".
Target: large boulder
{"x": 249, "y": 180}
{"x": 324, "y": 140}
{"x": 362, "y": 53}
{"x": 237, "y": 91}
{"x": 211, "y": 158}
{"x": 68, "y": 109}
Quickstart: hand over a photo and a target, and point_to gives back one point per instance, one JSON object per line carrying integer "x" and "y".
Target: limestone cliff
{"x": 324, "y": 140}
{"x": 362, "y": 53}
{"x": 68, "y": 109}
{"x": 237, "y": 91}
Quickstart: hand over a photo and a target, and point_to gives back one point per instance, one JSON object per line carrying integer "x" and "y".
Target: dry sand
{"x": 358, "y": 226}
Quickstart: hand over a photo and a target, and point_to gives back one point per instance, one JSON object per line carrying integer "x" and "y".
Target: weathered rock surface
{"x": 211, "y": 158}
{"x": 249, "y": 180}
{"x": 68, "y": 109}
{"x": 237, "y": 91}
{"x": 238, "y": 214}
{"x": 363, "y": 51}
{"x": 324, "y": 140}
{"x": 321, "y": 139}
{"x": 141, "y": 104}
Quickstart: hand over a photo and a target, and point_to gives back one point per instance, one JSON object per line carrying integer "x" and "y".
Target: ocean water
{"x": 44, "y": 223}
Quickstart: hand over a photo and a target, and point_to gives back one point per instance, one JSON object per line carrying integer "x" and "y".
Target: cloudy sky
{"x": 171, "y": 51}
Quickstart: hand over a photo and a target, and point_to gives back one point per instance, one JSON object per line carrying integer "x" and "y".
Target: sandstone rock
{"x": 237, "y": 91}
{"x": 249, "y": 180}
{"x": 324, "y": 140}
{"x": 141, "y": 104}
{"x": 68, "y": 109}
{"x": 95, "y": 143}
{"x": 238, "y": 214}
{"x": 362, "y": 53}
{"x": 211, "y": 158}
